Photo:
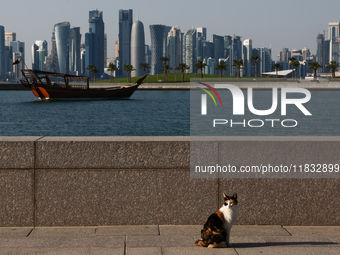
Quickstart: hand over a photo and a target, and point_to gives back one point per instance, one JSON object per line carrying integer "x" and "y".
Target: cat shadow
{"x": 269, "y": 244}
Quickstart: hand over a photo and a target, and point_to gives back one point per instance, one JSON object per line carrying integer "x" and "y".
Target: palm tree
{"x": 128, "y": 69}
{"x": 182, "y": 67}
{"x": 165, "y": 68}
{"x": 112, "y": 68}
{"x": 295, "y": 64}
{"x": 333, "y": 65}
{"x": 164, "y": 60}
{"x": 94, "y": 71}
{"x": 200, "y": 65}
{"x": 144, "y": 66}
{"x": 221, "y": 66}
{"x": 292, "y": 60}
{"x": 276, "y": 66}
{"x": 238, "y": 63}
{"x": 315, "y": 66}
{"x": 255, "y": 58}
{"x": 91, "y": 67}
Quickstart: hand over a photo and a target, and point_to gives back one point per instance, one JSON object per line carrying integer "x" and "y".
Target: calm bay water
{"x": 147, "y": 113}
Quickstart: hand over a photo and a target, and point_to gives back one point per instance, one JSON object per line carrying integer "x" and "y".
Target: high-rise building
{"x": 125, "y": 26}
{"x": 320, "y": 52}
{"x": 189, "y": 48}
{"x": 202, "y": 32}
{"x": 10, "y": 37}
{"x": 333, "y": 35}
{"x": 137, "y": 47}
{"x": 62, "y": 36}
{"x": 18, "y": 49}
{"x": 266, "y": 60}
{"x": 218, "y": 48}
{"x": 42, "y": 46}
{"x": 94, "y": 42}
{"x": 157, "y": 37}
{"x": 247, "y": 53}
{"x": 174, "y": 48}
{"x": 2, "y": 52}
{"x": 305, "y": 53}
{"x": 74, "y": 52}
{"x": 285, "y": 54}
{"x": 236, "y": 53}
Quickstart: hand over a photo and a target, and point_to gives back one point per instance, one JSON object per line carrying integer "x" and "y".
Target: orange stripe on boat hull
{"x": 35, "y": 92}
{"x": 44, "y": 92}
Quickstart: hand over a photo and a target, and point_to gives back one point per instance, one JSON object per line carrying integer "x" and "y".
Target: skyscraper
{"x": 247, "y": 53}
{"x": 334, "y": 35}
{"x": 39, "y": 45}
{"x": 2, "y": 52}
{"x": 62, "y": 35}
{"x": 75, "y": 41}
{"x": 218, "y": 49}
{"x": 157, "y": 37}
{"x": 189, "y": 48}
{"x": 125, "y": 26}
{"x": 174, "y": 47}
{"x": 10, "y": 37}
{"x": 137, "y": 47}
{"x": 94, "y": 42}
{"x": 320, "y": 51}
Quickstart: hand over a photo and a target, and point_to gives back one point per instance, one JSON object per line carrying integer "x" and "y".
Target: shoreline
{"x": 268, "y": 85}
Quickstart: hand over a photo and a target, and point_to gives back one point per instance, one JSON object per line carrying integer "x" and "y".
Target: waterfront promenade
{"x": 167, "y": 240}
{"x": 243, "y": 84}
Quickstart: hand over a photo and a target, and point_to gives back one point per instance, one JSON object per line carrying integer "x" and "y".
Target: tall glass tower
{"x": 125, "y": 26}
{"x": 174, "y": 47}
{"x": 189, "y": 48}
{"x": 157, "y": 37}
{"x": 137, "y": 47}
{"x": 62, "y": 35}
{"x": 247, "y": 53}
{"x": 75, "y": 41}
{"x": 2, "y": 52}
{"x": 94, "y": 42}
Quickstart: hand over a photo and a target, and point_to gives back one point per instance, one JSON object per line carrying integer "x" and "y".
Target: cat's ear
{"x": 235, "y": 196}
{"x": 224, "y": 195}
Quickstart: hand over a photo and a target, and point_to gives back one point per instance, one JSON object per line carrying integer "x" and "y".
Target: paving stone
{"x": 246, "y": 241}
{"x": 145, "y": 251}
{"x": 197, "y": 251}
{"x": 97, "y": 241}
{"x": 71, "y": 232}
{"x": 258, "y": 230}
{"x": 183, "y": 230}
{"x": 296, "y": 241}
{"x": 130, "y": 230}
{"x": 7, "y": 251}
{"x": 106, "y": 251}
{"x": 44, "y": 251}
{"x": 281, "y": 250}
{"x": 14, "y": 232}
{"x": 160, "y": 241}
{"x": 25, "y": 242}
{"x": 329, "y": 250}
{"x": 313, "y": 230}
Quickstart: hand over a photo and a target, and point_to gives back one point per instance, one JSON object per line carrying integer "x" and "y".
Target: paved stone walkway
{"x": 167, "y": 240}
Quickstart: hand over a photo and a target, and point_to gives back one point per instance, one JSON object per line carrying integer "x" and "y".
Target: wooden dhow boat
{"x": 48, "y": 85}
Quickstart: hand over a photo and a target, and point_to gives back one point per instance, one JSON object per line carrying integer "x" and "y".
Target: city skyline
{"x": 289, "y": 24}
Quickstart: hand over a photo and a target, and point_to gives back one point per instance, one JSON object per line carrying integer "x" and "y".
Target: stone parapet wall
{"x": 90, "y": 181}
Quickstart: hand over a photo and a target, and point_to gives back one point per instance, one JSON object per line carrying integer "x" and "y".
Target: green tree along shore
{"x": 177, "y": 78}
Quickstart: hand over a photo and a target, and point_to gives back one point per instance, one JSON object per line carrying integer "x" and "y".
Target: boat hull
{"x": 47, "y": 93}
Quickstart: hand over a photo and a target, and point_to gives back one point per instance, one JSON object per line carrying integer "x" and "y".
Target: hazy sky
{"x": 292, "y": 24}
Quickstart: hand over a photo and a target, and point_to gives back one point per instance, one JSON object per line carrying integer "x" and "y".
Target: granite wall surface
{"x": 90, "y": 181}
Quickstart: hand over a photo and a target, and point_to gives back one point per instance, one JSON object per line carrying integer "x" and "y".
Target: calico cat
{"x": 216, "y": 230}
